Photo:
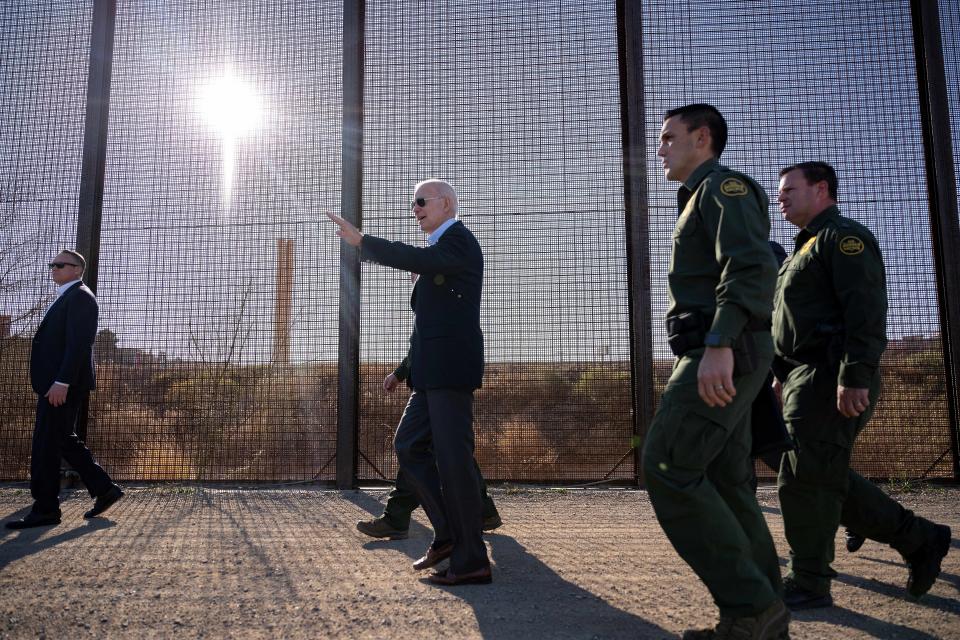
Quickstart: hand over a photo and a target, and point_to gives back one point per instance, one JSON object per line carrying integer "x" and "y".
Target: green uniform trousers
{"x": 403, "y": 501}
{"x": 698, "y": 471}
{"x": 819, "y": 491}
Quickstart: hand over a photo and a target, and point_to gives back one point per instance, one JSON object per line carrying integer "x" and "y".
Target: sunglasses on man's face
{"x": 61, "y": 265}
{"x": 422, "y": 202}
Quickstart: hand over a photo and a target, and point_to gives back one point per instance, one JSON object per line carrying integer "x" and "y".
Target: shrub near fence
{"x": 181, "y": 420}
{"x": 19, "y": 406}
{"x": 526, "y": 432}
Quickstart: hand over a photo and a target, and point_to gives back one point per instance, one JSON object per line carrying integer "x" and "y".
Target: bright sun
{"x": 231, "y": 109}
{"x": 230, "y": 106}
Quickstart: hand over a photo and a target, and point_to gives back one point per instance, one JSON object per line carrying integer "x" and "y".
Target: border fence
{"x": 189, "y": 149}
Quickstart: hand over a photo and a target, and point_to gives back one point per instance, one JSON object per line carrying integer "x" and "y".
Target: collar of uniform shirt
{"x": 700, "y": 173}
{"x": 817, "y": 223}
{"x": 66, "y": 285}
{"x": 434, "y": 237}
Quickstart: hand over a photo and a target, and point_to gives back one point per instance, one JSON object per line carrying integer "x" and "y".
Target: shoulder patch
{"x": 851, "y": 246}
{"x": 733, "y": 187}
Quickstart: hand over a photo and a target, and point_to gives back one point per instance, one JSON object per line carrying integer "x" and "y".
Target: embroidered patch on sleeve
{"x": 851, "y": 246}
{"x": 733, "y": 187}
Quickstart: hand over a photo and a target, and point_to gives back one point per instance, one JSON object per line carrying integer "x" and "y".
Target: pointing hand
{"x": 350, "y": 234}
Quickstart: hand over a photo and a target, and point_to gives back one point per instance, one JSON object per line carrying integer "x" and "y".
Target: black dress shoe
{"x": 104, "y": 501}
{"x": 854, "y": 541}
{"x": 35, "y": 519}
{"x": 491, "y": 522}
{"x": 434, "y": 556}
{"x": 449, "y": 579}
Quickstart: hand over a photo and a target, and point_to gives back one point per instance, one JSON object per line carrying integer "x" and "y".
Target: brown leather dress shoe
{"x": 434, "y": 557}
{"x": 449, "y": 579}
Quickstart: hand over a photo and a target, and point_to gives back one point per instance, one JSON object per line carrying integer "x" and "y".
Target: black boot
{"x": 924, "y": 563}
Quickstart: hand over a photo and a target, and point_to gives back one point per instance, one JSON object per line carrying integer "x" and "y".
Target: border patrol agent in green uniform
{"x": 829, "y": 328}
{"x": 394, "y": 522}
{"x": 696, "y": 455}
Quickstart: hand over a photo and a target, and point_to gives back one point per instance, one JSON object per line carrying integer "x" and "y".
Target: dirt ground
{"x": 212, "y": 562}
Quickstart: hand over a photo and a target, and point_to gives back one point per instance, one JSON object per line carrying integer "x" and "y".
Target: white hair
{"x": 443, "y": 188}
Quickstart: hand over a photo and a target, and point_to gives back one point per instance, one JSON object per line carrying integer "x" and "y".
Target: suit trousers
{"x": 54, "y": 437}
{"x": 698, "y": 470}
{"x": 434, "y": 444}
{"x": 403, "y": 501}
{"x": 819, "y": 491}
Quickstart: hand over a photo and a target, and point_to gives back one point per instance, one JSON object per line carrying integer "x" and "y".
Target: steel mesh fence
{"x": 43, "y": 83}
{"x": 218, "y": 285}
{"x": 823, "y": 81}
{"x": 950, "y": 38}
{"x": 518, "y": 106}
{"x": 219, "y": 277}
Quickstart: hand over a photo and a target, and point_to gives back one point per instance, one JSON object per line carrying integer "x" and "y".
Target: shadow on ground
{"x": 19, "y": 544}
{"x": 534, "y": 590}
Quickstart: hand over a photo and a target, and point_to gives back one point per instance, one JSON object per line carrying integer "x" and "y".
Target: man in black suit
{"x": 434, "y": 440}
{"x": 62, "y": 375}
{"x": 394, "y": 522}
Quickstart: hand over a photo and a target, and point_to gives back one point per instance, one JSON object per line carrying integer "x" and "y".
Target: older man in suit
{"x": 62, "y": 375}
{"x": 434, "y": 440}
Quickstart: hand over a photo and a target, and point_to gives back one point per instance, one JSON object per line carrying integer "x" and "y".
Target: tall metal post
{"x": 94, "y": 161}
{"x": 348, "y": 391}
{"x": 93, "y": 167}
{"x": 632, "y": 117}
{"x": 942, "y": 191}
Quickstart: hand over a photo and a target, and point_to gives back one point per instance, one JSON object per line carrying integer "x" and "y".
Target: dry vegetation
{"x": 159, "y": 419}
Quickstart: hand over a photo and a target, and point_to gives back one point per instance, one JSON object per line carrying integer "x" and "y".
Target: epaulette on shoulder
{"x": 849, "y": 224}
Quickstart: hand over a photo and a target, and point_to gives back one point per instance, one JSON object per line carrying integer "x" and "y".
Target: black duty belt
{"x": 687, "y": 331}
{"x": 783, "y": 365}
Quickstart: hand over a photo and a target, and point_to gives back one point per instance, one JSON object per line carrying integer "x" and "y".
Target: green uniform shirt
{"x": 722, "y": 265}
{"x": 834, "y": 284}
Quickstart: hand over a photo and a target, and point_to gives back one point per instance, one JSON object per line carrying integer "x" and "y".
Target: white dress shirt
{"x": 434, "y": 237}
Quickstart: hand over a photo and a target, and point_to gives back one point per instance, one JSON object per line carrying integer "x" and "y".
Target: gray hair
{"x": 76, "y": 256}
{"x": 443, "y": 188}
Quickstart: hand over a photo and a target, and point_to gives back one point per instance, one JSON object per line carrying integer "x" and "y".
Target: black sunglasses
{"x": 61, "y": 265}
{"x": 422, "y": 202}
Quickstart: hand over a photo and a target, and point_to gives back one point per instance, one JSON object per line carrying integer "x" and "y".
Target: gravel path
{"x": 287, "y": 562}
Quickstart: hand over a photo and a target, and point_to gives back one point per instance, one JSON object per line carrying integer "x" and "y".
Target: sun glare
{"x": 232, "y": 109}
{"x": 229, "y": 106}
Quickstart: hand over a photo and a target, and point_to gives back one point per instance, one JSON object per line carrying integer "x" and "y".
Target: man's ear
{"x": 703, "y": 137}
{"x": 823, "y": 189}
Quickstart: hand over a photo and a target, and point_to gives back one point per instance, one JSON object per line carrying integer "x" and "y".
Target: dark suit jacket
{"x": 63, "y": 345}
{"x": 446, "y": 348}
